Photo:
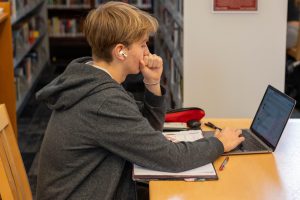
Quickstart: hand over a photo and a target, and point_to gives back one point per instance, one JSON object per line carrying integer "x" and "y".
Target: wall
{"x": 229, "y": 59}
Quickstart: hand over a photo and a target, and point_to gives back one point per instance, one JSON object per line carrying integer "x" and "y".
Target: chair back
{"x": 14, "y": 182}
{"x": 295, "y": 51}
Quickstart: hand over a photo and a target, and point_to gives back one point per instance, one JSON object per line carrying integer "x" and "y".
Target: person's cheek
{"x": 146, "y": 60}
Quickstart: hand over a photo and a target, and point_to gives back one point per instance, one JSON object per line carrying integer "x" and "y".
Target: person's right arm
{"x": 125, "y": 132}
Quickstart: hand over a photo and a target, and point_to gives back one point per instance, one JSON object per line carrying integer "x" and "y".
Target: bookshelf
{"x": 7, "y": 88}
{"x": 30, "y": 46}
{"x": 142, "y": 4}
{"x": 169, "y": 45}
{"x": 65, "y": 30}
{"x": 21, "y": 9}
{"x": 65, "y": 27}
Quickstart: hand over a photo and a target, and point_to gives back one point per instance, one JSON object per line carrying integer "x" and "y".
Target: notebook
{"x": 206, "y": 172}
{"x": 268, "y": 124}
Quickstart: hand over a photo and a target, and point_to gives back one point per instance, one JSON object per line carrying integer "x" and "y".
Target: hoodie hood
{"x": 78, "y": 81}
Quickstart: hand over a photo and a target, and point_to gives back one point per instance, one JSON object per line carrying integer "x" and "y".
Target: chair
{"x": 13, "y": 179}
{"x": 294, "y": 52}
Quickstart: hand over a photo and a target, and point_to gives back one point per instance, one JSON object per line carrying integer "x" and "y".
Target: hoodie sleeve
{"x": 125, "y": 132}
{"x": 151, "y": 106}
{"x": 154, "y": 109}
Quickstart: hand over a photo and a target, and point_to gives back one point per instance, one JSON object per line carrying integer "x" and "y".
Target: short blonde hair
{"x": 113, "y": 23}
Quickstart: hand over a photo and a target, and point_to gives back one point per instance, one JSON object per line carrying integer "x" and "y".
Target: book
{"x": 206, "y": 172}
{"x": 175, "y": 126}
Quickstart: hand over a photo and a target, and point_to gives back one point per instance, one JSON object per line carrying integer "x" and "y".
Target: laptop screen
{"x": 272, "y": 116}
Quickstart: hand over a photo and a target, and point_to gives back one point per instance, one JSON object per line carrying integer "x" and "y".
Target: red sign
{"x": 235, "y": 5}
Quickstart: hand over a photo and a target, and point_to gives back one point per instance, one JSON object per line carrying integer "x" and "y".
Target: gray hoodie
{"x": 97, "y": 130}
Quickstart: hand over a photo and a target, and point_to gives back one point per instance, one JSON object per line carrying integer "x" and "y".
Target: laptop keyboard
{"x": 250, "y": 143}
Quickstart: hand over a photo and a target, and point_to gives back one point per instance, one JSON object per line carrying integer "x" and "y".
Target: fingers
{"x": 235, "y": 132}
{"x": 217, "y": 133}
{"x": 152, "y": 61}
{"x": 142, "y": 64}
{"x": 145, "y": 60}
{"x": 241, "y": 139}
{"x": 151, "y": 67}
{"x": 230, "y": 138}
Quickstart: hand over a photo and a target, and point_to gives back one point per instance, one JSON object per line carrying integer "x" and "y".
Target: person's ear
{"x": 120, "y": 52}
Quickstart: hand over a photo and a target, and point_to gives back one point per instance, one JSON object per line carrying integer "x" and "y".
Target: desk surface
{"x": 254, "y": 177}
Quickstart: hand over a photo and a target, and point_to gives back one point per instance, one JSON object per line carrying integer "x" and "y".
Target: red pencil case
{"x": 184, "y": 114}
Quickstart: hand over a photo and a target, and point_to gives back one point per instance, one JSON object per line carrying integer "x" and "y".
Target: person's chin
{"x": 136, "y": 71}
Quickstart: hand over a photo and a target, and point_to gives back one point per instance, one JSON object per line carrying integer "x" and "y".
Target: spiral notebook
{"x": 206, "y": 172}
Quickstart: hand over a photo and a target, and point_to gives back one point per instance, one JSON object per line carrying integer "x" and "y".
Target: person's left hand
{"x": 151, "y": 67}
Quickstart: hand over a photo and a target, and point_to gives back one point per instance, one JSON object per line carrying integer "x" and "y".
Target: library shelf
{"x": 69, "y": 7}
{"x": 25, "y": 95}
{"x": 23, "y": 54}
{"x": 26, "y": 11}
{"x": 177, "y": 16}
{"x": 30, "y": 47}
{"x": 169, "y": 44}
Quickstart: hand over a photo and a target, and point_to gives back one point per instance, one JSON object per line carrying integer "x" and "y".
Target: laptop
{"x": 268, "y": 124}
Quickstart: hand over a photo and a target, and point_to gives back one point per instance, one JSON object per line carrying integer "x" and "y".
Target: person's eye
{"x": 144, "y": 45}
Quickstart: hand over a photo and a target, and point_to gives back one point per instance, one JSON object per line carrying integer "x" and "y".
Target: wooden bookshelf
{"x": 7, "y": 85}
{"x": 3, "y": 17}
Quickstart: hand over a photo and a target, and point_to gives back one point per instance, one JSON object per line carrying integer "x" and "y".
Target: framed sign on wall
{"x": 234, "y": 6}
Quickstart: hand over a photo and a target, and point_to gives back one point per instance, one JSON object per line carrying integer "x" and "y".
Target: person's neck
{"x": 113, "y": 68}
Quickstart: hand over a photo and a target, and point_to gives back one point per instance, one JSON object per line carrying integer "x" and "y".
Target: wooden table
{"x": 254, "y": 177}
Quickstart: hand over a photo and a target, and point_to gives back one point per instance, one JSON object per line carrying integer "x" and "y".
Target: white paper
{"x": 187, "y": 136}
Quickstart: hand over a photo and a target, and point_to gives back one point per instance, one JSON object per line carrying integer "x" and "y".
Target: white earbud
{"x": 123, "y": 53}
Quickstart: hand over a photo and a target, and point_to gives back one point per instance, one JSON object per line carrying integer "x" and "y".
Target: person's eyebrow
{"x": 145, "y": 40}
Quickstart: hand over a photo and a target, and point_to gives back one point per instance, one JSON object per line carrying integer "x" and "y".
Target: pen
{"x": 225, "y": 161}
{"x": 211, "y": 125}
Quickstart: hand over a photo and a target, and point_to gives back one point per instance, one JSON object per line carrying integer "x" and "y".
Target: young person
{"x": 97, "y": 129}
